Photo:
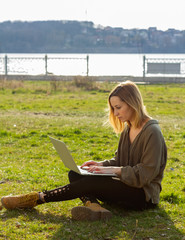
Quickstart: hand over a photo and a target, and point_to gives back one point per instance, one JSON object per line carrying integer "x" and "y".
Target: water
{"x": 99, "y": 64}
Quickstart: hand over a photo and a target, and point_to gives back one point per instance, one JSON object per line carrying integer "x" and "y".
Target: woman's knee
{"x": 73, "y": 176}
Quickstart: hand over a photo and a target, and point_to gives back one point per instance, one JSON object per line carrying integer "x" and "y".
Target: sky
{"x": 128, "y": 14}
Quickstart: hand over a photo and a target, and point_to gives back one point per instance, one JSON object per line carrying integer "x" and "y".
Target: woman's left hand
{"x": 100, "y": 169}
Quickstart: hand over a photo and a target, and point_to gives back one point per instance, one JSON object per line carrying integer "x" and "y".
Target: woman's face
{"x": 121, "y": 109}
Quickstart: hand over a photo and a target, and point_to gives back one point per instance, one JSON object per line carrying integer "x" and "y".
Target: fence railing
{"x": 170, "y": 66}
{"x": 22, "y": 64}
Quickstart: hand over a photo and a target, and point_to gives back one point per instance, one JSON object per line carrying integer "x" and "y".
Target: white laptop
{"x": 69, "y": 162}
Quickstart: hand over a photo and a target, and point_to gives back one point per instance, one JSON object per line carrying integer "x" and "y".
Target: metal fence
{"x": 163, "y": 66}
{"x": 39, "y": 65}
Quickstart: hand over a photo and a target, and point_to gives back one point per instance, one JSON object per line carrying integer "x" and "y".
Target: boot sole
{"x": 82, "y": 213}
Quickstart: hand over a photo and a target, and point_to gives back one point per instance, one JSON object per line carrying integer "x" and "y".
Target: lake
{"x": 76, "y": 64}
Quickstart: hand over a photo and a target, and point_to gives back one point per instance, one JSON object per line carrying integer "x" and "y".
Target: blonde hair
{"x": 129, "y": 93}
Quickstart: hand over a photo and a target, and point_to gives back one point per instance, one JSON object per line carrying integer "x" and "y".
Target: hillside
{"x": 85, "y": 37}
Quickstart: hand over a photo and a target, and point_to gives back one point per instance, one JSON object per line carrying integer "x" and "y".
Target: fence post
{"x": 6, "y": 65}
{"x": 144, "y": 60}
{"x": 46, "y": 64}
{"x": 87, "y": 58}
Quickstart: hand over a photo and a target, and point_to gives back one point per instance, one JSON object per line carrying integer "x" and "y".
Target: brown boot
{"x": 90, "y": 212}
{"x": 20, "y": 201}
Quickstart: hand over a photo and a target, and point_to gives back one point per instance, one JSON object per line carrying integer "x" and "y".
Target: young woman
{"x": 139, "y": 164}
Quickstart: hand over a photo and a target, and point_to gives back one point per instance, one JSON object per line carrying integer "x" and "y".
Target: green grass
{"x": 32, "y": 111}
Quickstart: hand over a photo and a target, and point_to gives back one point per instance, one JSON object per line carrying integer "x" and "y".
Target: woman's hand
{"x": 91, "y": 163}
{"x": 100, "y": 169}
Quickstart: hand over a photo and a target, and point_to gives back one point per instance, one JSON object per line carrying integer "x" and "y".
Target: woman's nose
{"x": 115, "y": 113}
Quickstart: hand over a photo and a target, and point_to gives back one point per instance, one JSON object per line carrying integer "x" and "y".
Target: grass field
{"x": 76, "y": 113}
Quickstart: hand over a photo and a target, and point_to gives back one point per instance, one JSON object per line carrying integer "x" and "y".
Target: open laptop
{"x": 69, "y": 162}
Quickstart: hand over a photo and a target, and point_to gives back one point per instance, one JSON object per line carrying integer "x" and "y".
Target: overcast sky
{"x": 162, "y": 14}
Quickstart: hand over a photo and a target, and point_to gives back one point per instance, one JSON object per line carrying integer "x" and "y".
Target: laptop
{"x": 69, "y": 162}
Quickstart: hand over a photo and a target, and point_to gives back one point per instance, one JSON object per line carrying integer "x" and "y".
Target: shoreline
{"x": 142, "y": 80}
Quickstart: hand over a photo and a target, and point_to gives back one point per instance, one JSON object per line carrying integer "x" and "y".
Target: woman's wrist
{"x": 100, "y": 163}
{"x": 118, "y": 171}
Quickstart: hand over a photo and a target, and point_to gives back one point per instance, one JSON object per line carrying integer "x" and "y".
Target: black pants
{"x": 105, "y": 189}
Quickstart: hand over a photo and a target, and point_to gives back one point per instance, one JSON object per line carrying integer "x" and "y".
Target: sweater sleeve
{"x": 111, "y": 162}
{"x": 150, "y": 163}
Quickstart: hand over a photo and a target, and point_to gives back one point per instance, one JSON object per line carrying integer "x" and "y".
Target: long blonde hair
{"x": 130, "y": 94}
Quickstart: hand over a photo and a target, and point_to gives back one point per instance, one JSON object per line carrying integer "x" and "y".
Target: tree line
{"x": 86, "y": 37}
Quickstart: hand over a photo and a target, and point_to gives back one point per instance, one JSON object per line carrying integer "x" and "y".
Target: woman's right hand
{"x": 91, "y": 163}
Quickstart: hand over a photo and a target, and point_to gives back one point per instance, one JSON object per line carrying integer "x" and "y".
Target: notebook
{"x": 69, "y": 162}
